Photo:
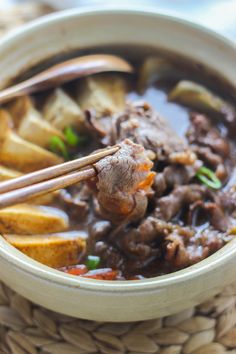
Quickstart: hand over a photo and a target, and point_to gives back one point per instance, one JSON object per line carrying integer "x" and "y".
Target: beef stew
{"x": 166, "y": 200}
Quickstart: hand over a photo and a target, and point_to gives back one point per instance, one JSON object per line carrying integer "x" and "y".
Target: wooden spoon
{"x": 66, "y": 71}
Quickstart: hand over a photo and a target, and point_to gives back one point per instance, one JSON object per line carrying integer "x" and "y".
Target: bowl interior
{"x": 79, "y": 29}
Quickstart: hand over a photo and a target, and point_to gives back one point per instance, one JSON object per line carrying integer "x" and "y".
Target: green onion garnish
{"x": 208, "y": 177}
{"x": 92, "y": 262}
{"x": 72, "y": 138}
{"x": 58, "y": 146}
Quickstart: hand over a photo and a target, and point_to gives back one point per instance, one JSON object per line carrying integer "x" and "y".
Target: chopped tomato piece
{"x": 76, "y": 270}
{"x": 102, "y": 274}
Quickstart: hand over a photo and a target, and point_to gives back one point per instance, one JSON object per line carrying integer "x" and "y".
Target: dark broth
{"x": 176, "y": 114}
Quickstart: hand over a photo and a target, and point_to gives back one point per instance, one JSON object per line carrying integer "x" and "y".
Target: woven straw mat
{"x": 26, "y": 328}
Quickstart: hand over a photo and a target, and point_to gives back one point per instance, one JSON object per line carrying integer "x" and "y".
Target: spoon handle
{"x": 65, "y": 72}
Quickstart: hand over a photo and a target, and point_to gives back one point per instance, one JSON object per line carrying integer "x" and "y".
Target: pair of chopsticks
{"x": 35, "y": 184}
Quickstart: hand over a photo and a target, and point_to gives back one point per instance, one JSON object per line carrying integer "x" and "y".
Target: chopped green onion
{"x": 58, "y": 146}
{"x": 92, "y": 262}
{"x": 72, "y": 138}
{"x": 208, "y": 177}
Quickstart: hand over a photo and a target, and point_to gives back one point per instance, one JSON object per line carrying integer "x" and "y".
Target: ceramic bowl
{"x": 101, "y": 300}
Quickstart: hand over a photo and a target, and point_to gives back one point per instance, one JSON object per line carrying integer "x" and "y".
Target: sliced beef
{"x": 156, "y": 242}
{"x": 144, "y": 126}
{"x": 123, "y": 183}
{"x": 208, "y": 143}
{"x": 111, "y": 256}
{"x": 214, "y": 161}
{"x": 178, "y": 255}
{"x": 146, "y": 243}
{"x": 75, "y": 201}
{"x": 173, "y": 176}
{"x": 189, "y": 200}
{"x": 160, "y": 184}
{"x": 202, "y": 132}
{"x": 228, "y": 199}
{"x": 138, "y": 241}
{"x": 99, "y": 230}
{"x": 181, "y": 252}
{"x": 169, "y": 206}
{"x": 217, "y": 217}
{"x": 97, "y": 127}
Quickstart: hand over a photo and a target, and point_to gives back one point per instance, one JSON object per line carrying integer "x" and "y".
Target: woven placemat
{"x": 207, "y": 329}
{"x": 26, "y": 328}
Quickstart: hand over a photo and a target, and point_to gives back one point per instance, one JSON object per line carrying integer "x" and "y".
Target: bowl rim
{"x": 24, "y": 263}
{"x": 93, "y": 10}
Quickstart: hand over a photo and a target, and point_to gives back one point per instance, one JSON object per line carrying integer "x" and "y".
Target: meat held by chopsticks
{"x": 123, "y": 183}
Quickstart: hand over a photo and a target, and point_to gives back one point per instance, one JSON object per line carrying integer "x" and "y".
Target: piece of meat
{"x": 97, "y": 127}
{"x": 168, "y": 206}
{"x": 172, "y": 176}
{"x": 191, "y": 197}
{"x": 160, "y": 184}
{"x": 176, "y": 252}
{"x": 213, "y": 213}
{"x": 179, "y": 255}
{"x": 181, "y": 252}
{"x": 73, "y": 204}
{"x": 110, "y": 255}
{"x": 179, "y": 246}
{"x": 211, "y": 239}
{"x": 99, "y": 229}
{"x": 216, "y": 162}
{"x": 228, "y": 199}
{"x": 76, "y": 196}
{"x": 145, "y": 243}
{"x": 123, "y": 183}
{"x": 129, "y": 248}
{"x": 138, "y": 241}
{"x": 202, "y": 132}
{"x": 208, "y": 144}
{"x": 141, "y": 124}
{"x": 218, "y": 218}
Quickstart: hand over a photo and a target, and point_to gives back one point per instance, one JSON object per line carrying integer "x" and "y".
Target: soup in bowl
{"x": 159, "y": 216}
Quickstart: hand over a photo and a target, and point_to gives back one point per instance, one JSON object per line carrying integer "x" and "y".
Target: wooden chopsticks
{"x": 37, "y": 183}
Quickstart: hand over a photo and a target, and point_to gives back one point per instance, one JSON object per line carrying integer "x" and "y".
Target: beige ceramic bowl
{"x": 101, "y": 300}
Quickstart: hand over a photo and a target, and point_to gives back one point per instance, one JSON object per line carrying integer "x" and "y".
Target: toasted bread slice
{"x": 29, "y": 123}
{"x": 105, "y": 93}
{"x": 53, "y": 250}
{"x": 62, "y": 111}
{"x": 20, "y": 154}
{"x": 32, "y": 219}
